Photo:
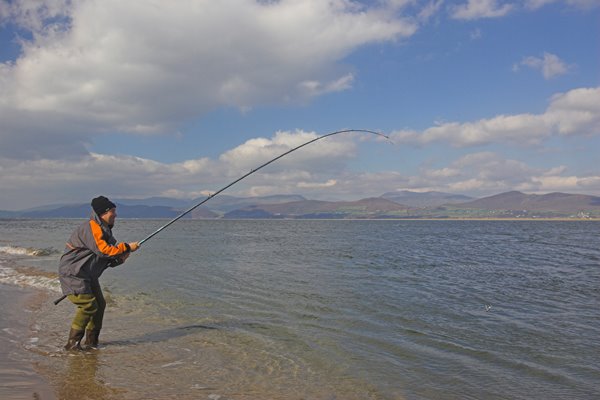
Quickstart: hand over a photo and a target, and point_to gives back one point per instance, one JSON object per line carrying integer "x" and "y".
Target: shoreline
{"x": 19, "y": 377}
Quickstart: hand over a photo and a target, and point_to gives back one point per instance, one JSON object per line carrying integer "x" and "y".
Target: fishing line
{"x": 253, "y": 171}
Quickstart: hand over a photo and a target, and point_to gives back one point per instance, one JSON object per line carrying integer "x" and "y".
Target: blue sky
{"x": 136, "y": 99}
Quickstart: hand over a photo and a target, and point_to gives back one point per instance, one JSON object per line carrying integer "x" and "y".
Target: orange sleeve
{"x": 103, "y": 246}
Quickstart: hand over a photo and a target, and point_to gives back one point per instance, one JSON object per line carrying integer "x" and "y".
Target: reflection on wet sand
{"x": 81, "y": 379}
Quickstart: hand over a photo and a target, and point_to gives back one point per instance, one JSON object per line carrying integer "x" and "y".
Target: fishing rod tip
{"x": 385, "y": 136}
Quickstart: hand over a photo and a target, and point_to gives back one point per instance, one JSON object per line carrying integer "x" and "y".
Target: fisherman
{"x": 90, "y": 250}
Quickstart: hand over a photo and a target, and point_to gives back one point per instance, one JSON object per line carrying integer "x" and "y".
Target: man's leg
{"x": 92, "y": 330}
{"x": 86, "y": 309}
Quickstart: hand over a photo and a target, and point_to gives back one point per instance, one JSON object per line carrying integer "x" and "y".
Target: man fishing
{"x": 90, "y": 250}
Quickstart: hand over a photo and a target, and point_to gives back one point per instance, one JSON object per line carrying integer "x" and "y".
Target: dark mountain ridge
{"x": 366, "y": 208}
{"x": 425, "y": 199}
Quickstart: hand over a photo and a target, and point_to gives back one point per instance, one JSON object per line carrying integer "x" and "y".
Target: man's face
{"x": 110, "y": 216}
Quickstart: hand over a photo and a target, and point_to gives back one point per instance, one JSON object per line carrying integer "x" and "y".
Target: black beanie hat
{"x": 101, "y": 205}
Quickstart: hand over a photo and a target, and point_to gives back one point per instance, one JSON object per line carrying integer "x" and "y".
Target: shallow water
{"x": 18, "y": 378}
{"x": 330, "y": 309}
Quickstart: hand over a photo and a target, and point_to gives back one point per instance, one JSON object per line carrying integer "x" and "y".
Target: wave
{"x": 28, "y": 251}
{"x": 29, "y": 277}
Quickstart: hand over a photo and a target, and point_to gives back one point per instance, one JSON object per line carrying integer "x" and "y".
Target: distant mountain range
{"x": 400, "y": 204}
{"x": 366, "y": 208}
{"x": 558, "y": 202}
{"x": 425, "y": 199}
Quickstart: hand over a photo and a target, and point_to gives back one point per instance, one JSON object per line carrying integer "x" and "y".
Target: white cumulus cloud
{"x": 475, "y": 9}
{"x": 312, "y": 168}
{"x": 327, "y": 154}
{"x": 549, "y": 64}
{"x": 576, "y": 112}
{"x": 96, "y": 66}
{"x": 581, "y": 4}
{"x": 485, "y": 173}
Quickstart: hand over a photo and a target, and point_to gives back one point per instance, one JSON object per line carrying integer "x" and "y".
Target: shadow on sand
{"x": 159, "y": 336}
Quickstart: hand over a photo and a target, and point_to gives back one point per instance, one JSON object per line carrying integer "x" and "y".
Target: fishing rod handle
{"x": 64, "y": 296}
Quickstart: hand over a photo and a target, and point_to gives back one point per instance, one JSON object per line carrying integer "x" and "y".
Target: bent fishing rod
{"x": 183, "y": 214}
{"x": 252, "y": 172}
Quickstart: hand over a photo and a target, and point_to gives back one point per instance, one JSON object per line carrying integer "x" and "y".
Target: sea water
{"x": 319, "y": 309}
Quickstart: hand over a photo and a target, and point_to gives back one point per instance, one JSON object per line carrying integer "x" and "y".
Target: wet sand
{"x": 18, "y": 377}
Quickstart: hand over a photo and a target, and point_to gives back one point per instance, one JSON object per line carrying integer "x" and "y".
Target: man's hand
{"x": 134, "y": 246}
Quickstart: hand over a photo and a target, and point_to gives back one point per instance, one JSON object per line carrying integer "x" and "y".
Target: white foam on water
{"x": 11, "y": 276}
{"x": 27, "y": 251}
{"x": 10, "y": 331}
{"x": 200, "y": 387}
{"x": 172, "y": 364}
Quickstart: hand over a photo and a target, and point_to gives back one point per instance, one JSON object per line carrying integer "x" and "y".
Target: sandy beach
{"x": 18, "y": 377}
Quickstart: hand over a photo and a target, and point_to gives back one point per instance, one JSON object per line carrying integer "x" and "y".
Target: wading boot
{"x": 75, "y": 337}
{"x": 91, "y": 339}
